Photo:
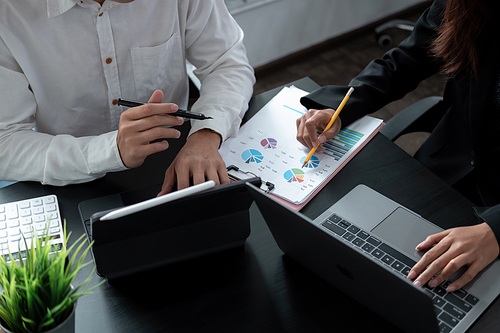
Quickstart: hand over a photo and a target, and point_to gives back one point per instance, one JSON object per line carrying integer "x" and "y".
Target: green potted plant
{"x": 38, "y": 295}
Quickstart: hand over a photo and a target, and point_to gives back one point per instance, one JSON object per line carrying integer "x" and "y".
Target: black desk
{"x": 256, "y": 288}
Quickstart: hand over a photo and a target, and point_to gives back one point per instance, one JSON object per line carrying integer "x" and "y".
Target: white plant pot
{"x": 67, "y": 326}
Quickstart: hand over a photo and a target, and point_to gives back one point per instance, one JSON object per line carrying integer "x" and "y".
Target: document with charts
{"x": 266, "y": 146}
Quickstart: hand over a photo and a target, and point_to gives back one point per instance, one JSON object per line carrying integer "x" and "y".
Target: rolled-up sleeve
{"x": 214, "y": 45}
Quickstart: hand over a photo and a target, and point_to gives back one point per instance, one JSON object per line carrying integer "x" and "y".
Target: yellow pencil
{"x": 335, "y": 115}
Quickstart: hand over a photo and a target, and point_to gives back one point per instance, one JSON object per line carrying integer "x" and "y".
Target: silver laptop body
{"x": 365, "y": 245}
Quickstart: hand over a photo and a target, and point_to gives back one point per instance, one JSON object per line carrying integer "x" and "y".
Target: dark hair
{"x": 456, "y": 43}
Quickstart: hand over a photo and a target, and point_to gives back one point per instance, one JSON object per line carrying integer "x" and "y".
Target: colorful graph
{"x": 340, "y": 145}
{"x": 294, "y": 175}
{"x": 269, "y": 143}
{"x": 313, "y": 162}
{"x": 252, "y": 156}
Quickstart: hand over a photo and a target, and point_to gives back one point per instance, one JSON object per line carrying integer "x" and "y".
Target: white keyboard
{"x": 22, "y": 217}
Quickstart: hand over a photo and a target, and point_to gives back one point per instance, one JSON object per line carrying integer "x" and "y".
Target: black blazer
{"x": 466, "y": 141}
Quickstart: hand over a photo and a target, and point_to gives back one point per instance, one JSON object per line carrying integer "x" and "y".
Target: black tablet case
{"x": 201, "y": 224}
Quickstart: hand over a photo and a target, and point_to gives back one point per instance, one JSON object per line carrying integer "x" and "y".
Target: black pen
{"x": 180, "y": 113}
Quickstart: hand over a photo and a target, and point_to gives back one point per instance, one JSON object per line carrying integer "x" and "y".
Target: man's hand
{"x": 474, "y": 246}
{"x": 198, "y": 160}
{"x": 141, "y": 125}
{"x": 315, "y": 121}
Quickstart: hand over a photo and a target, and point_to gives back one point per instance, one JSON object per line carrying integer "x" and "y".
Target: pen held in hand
{"x": 330, "y": 123}
{"x": 180, "y": 113}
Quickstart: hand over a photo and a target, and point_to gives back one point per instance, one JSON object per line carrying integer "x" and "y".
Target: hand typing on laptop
{"x": 475, "y": 247}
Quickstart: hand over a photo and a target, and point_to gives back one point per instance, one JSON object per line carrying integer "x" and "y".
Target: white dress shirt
{"x": 64, "y": 64}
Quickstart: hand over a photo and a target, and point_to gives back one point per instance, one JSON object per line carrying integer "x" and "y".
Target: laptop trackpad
{"x": 404, "y": 231}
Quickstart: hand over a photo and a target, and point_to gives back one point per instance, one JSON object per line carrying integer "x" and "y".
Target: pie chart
{"x": 313, "y": 162}
{"x": 294, "y": 175}
{"x": 252, "y": 156}
{"x": 269, "y": 143}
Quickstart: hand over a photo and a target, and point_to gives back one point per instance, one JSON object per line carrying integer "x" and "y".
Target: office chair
{"x": 383, "y": 35}
{"x": 421, "y": 116}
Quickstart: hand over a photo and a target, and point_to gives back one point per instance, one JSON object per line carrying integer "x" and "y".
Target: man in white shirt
{"x": 65, "y": 63}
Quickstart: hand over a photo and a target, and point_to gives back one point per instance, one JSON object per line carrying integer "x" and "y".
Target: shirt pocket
{"x": 157, "y": 67}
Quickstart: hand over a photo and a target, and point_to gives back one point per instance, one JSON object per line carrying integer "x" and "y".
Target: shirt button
{"x": 115, "y": 101}
{"x": 109, "y": 60}
{"x": 101, "y": 14}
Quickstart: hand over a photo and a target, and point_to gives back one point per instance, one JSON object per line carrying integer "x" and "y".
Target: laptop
{"x": 190, "y": 226}
{"x": 364, "y": 245}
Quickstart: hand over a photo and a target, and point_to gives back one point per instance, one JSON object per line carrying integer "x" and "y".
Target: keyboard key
{"x": 471, "y": 299}
{"x": 344, "y": 224}
{"x": 459, "y": 303}
{"x": 455, "y": 312}
{"x": 443, "y": 328}
{"x": 368, "y": 247}
{"x": 460, "y": 293}
{"x": 348, "y": 236}
{"x": 24, "y": 205}
{"x": 388, "y": 259}
{"x": 25, "y": 212}
{"x": 3, "y": 217}
{"x": 335, "y": 219}
{"x": 358, "y": 242}
{"x": 440, "y": 291}
{"x": 13, "y": 223}
{"x": 406, "y": 270}
{"x": 333, "y": 227}
{"x": 11, "y": 211}
{"x": 448, "y": 319}
{"x": 373, "y": 241}
{"x": 39, "y": 218}
{"x": 377, "y": 253}
{"x": 49, "y": 200}
{"x": 396, "y": 254}
{"x": 398, "y": 266}
{"x": 437, "y": 311}
{"x": 438, "y": 301}
{"x": 353, "y": 229}
{"x": 38, "y": 210}
{"x": 36, "y": 202}
{"x": 363, "y": 234}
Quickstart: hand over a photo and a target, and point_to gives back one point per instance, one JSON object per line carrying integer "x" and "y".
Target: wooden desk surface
{"x": 255, "y": 288}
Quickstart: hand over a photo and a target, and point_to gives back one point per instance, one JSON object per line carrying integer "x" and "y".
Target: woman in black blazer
{"x": 460, "y": 39}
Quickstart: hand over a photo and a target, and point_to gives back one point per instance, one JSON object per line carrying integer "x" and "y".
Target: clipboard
{"x": 266, "y": 147}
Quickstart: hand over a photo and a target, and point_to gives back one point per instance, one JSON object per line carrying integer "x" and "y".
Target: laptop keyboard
{"x": 450, "y": 307}
{"x": 19, "y": 218}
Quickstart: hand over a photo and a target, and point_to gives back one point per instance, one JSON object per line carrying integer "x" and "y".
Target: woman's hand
{"x": 475, "y": 247}
{"x": 315, "y": 121}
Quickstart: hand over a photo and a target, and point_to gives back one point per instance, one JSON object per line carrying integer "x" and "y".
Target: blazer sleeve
{"x": 389, "y": 78}
{"x": 490, "y": 215}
